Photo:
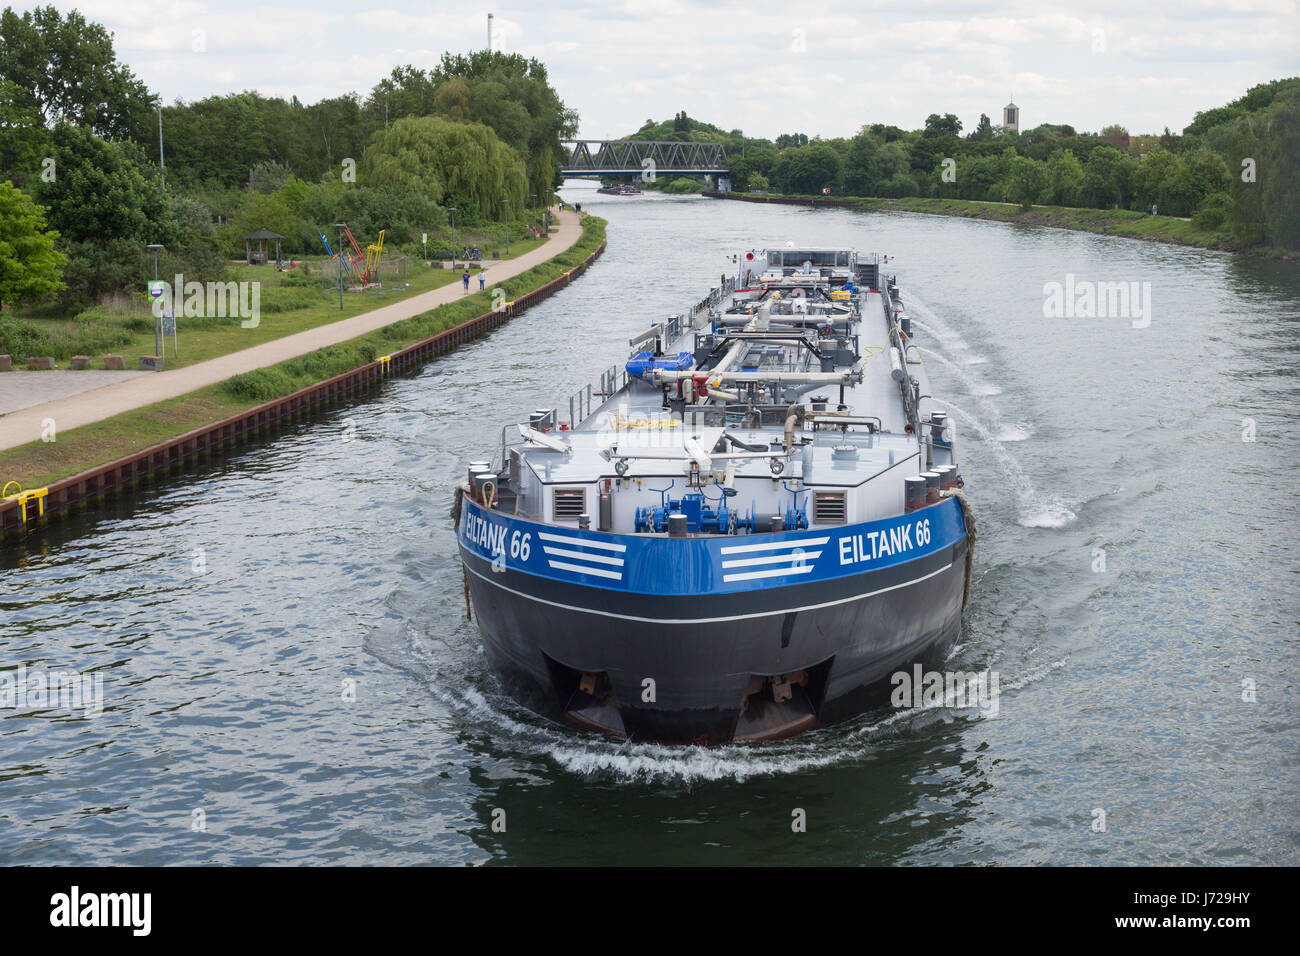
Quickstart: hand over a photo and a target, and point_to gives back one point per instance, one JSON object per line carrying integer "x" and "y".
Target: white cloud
{"x": 735, "y": 63}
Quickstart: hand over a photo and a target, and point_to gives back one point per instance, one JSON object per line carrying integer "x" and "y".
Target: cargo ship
{"x": 738, "y": 534}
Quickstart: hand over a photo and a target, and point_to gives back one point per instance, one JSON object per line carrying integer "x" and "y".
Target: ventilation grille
{"x": 829, "y": 507}
{"x": 569, "y": 503}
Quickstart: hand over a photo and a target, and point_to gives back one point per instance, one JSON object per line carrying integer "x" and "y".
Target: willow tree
{"x": 455, "y": 164}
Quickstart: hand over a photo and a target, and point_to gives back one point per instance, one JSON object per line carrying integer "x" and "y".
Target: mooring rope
{"x": 455, "y": 507}
{"x": 968, "y": 515}
{"x": 456, "y": 504}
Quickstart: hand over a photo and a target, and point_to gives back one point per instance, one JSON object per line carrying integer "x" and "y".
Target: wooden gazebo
{"x": 261, "y": 237}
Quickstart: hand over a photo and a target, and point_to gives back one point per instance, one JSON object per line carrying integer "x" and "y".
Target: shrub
{"x": 1211, "y": 214}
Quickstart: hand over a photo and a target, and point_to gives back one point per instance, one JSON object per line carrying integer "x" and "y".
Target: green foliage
{"x": 1106, "y": 178}
{"x": 946, "y": 125}
{"x": 105, "y": 190}
{"x": 808, "y": 169}
{"x": 1026, "y": 182}
{"x": 260, "y": 211}
{"x": 683, "y": 185}
{"x": 368, "y": 209}
{"x": 1266, "y": 206}
{"x": 24, "y": 143}
{"x": 983, "y": 132}
{"x": 265, "y": 384}
{"x": 98, "y": 267}
{"x": 466, "y": 166}
{"x": 30, "y": 267}
{"x": 861, "y": 168}
{"x": 87, "y": 334}
{"x": 66, "y": 71}
{"x": 1255, "y": 99}
{"x": 1066, "y": 179}
{"x": 1212, "y": 213}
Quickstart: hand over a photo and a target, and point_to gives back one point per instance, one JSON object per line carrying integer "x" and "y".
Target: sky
{"x": 764, "y": 67}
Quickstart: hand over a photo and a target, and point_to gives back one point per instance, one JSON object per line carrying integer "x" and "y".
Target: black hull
{"x": 551, "y": 642}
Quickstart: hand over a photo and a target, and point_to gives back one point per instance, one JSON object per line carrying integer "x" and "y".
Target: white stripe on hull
{"x": 707, "y": 620}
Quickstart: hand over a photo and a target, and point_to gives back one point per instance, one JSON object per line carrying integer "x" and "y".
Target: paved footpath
{"x": 87, "y": 407}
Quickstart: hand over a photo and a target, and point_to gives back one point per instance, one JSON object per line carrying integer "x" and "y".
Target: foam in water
{"x": 1035, "y": 511}
{"x": 999, "y": 430}
{"x": 936, "y": 326}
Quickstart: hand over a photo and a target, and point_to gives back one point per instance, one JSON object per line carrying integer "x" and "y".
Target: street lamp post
{"x": 505, "y": 206}
{"x": 340, "y": 270}
{"x": 452, "y": 210}
{"x": 157, "y": 313}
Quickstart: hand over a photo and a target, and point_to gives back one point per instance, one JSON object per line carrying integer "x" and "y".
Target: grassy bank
{"x": 1111, "y": 222}
{"x": 290, "y": 301}
{"x": 39, "y": 464}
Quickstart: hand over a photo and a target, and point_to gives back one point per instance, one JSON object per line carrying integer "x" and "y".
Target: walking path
{"x": 95, "y": 405}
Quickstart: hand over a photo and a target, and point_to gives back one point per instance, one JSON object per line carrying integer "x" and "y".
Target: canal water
{"x": 288, "y": 675}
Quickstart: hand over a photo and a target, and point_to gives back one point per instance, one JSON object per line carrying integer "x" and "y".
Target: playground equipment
{"x": 361, "y": 269}
{"x": 373, "y": 253}
{"x": 347, "y": 265}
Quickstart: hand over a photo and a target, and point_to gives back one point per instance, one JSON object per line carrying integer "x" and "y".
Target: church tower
{"x": 1011, "y": 117}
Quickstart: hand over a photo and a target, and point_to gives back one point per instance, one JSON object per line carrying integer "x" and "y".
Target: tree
{"x": 105, "y": 190}
{"x": 524, "y": 83}
{"x": 464, "y": 165}
{"x": 1065, "y": 176}
{"x": 983, "y": 132}
{"x": 67, "y": 71}
{"x": 22, "y": 138}
{"x": 861, "y": 170}
{"x": 1106, "y": 177}
{"x": 946, "y": 125}
{"x": 1026, "y": 181}
{"x": 807, "y": 169}
{"x": 30, "y": 267}
{"x": 1114, "y": 129}
{"x": 1265, "y": 197}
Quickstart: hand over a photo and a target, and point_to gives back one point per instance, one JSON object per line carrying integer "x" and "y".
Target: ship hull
{"x": 763, "y": 661}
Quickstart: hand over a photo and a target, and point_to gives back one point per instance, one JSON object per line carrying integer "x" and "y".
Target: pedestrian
{"x": 1155, "y": 210}
{"x": 482, "y": 277}
{"x": 464, "y": 278}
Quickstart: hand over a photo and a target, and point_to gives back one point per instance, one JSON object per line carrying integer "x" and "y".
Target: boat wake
{"x": 456, "y": 676}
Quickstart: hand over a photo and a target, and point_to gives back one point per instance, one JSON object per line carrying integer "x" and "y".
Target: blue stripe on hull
{"x": 659, "y": 565}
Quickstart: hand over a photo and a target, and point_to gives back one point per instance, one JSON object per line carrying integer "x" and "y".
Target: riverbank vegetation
{"x": 81, "y": 142}
{"x": 1233, "y": 173}
{"x": 40, "y": 464}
